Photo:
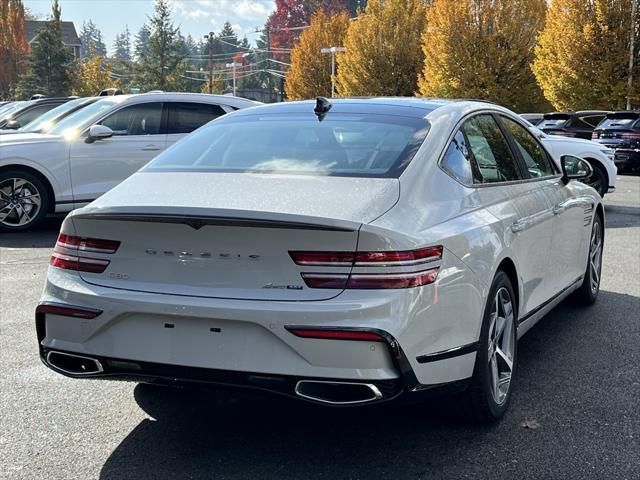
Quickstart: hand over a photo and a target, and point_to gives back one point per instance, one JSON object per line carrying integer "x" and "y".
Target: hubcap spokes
{"x": 501, "y": 345}
{"x": 19, "y": 202}
{"x": 595, "y": 257}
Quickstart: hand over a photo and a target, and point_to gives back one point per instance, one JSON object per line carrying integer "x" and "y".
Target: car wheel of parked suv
{"x": 597, "y": 180}
{"x": 24, "y": 201}
{"x": 489, "y": 392}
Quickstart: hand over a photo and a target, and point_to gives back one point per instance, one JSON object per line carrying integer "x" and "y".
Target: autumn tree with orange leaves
{"x": 483, "y": 49}
{"x": 13, "y": 46}
{"x": 310, "y": 72}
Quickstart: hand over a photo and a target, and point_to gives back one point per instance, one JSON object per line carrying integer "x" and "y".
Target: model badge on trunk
{"x": 205, "y": 255}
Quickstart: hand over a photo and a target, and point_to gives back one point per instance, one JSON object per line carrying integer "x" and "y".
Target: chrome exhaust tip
{"x": 337, "y": 393}
{"x": 74, "y": 364}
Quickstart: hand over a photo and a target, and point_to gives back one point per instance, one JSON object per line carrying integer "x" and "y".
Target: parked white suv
{"x": 603, "y": 178}
{"x": 94, "y": 149}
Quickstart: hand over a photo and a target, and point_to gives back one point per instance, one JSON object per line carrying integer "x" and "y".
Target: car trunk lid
{"x": 225, "y": 236}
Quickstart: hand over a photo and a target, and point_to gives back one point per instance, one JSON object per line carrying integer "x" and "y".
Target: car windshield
{"x": 7, "y": 110}
{"x": 621, "y": 120}
{"x": 45, "y": 121}
{"x": 79, "y": 119}
{"x": 361, "y": 145}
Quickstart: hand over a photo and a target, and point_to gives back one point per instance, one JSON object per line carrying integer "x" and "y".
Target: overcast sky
{"x": 195, "y": 17}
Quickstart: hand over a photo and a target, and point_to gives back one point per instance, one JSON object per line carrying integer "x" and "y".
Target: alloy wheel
{"x": 20, "y": 202}
{"x": 595, "y": 257}
{"x": 501, "y": 345}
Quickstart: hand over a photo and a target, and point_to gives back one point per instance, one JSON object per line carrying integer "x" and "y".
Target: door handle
{"x": 558, "y": 209}
{"x": 518, "y": 226}
{"x": 150, "y": 148}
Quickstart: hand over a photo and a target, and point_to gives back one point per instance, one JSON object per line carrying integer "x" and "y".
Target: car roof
{"x": 230, "y": 100}
{"x": 405, "y": 106}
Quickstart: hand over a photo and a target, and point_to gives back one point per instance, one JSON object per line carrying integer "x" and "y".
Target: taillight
{"x": 77, "y": 247}
{"x": 595, "y": 135}
{"x": 68, "y": 310}
{"x": 381, "y": 278}
{"x": 97, "y": 245}
{"x": 336, "y": 334}
{"x": 631, "y": 136}
{"x": 365, "y": 259}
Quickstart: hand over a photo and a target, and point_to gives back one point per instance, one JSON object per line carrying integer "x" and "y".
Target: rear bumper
{"x": 404, "y": 388}
{"x": 158, "y": 337}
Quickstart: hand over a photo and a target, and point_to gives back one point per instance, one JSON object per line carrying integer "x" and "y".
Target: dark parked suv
{"x": 30, "y": 110}
{"x": 572, "y": 124}
{"x": 621, "y": 131}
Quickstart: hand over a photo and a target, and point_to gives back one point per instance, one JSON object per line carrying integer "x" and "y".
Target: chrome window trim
{"x": 493, "y": 184}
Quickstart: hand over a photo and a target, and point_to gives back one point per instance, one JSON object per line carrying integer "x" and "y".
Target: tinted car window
{"x": 33, "y": 113}
{"x": 141, "y": 119}
{"x": 536, "y": 159}
{"x": 458, "y": 161}
{"x": 593, "y": 120}
{"x": 620, "y": 120}
{"x": 185, "y": 117}
{"x": 490, "y": 150}
{"x": 356, "y": 145}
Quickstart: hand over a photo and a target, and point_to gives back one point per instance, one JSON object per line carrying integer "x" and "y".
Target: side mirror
{"x": 12, "y": 125}
{"x": 575, "y": 168}
{"x": 98, "y": 132}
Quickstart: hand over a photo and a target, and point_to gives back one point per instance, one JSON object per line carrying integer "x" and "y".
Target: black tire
{"x": 478, "y": 400}
{"x": 588, "y": 291}
{"x": 598, "y": 179}
{"x": 35, "y": 183}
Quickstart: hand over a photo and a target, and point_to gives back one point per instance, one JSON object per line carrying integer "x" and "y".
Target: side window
{"x": 593, "y": 120}
{"x": 494, "y": 160}
{"x": 141, "y": 119}
{"x": 185, "y": 117}
{"x": 458, "y": 161}
{"x": 33, "y": 113}
{"x": 534, "y": 156}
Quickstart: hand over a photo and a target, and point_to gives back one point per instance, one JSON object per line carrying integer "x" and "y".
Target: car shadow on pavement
{"x": 43, "y": 236}
{"x": 621, "y": 216}
{"x": 564, "y": 370}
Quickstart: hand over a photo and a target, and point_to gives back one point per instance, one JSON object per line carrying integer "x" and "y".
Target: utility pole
{"x": 333, "y": 51}
{"x": 268, "y": 35}
{"x": 233, "y": 66}
{"x": 210, "y": 38}
{"x": 632, "y": 40}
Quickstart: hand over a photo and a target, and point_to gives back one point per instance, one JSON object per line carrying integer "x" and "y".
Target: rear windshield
{"x": 619, "y": 120}
{"x": 360, "y": 145}
{"x": 554, "y": 120}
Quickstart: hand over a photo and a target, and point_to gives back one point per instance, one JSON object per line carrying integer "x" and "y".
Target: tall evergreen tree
{"x": 497, "y": 37}
{"x": 582, "y": 60}
{"x": 160, "y": 68}
{"x": 49, "y": 61}
{"x": 383, "y": 54}
{"x": 122, "y": 46}
{"x": 228, "y": 39}
{"x": 90, "y": 34}
{"x": 141, "y": 43}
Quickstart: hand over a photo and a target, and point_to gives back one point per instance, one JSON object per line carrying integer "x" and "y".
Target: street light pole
{"x": 333, "y": 51}
{"x": 210, "y": 38}
{"x": 233, "y": 66}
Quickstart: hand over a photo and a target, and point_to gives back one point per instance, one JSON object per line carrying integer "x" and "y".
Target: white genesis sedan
{"x": 347, "y": 253}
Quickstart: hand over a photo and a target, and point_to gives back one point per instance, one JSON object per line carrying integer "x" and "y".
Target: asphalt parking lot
{"x": 578, "y": 388}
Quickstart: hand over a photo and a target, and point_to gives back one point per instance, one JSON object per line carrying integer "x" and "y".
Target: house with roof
{"x": 70, "y": 37}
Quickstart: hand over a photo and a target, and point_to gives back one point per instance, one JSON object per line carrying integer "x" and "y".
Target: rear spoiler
{"x": 227, "y": 218}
